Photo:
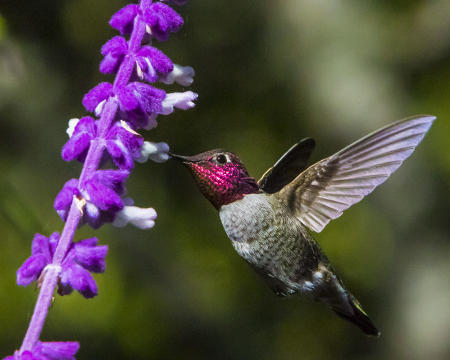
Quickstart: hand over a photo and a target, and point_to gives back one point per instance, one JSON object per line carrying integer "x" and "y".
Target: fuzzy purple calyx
{"x": 161, "y": 19}
{"x": 123, "y": 19}
{"x": 57, "y": 350}
{"x": 113, "y": 51}
{"x": 152, "y": 64}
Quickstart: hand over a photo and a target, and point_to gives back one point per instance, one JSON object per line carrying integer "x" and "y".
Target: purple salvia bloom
{"x": 75, "y": 277}
{"x": 124, "y": 145}
{"x": 42, "y": 249}
{"x": 161, "y": 19}
{"x": 140, "y": 104}
{"x": 113, "y": 51}
{"x": 82, "y": 257}
{"x": 64, "y": 350}
{"x": 123, "y": 19}
{"x": 111, "y": 179}
{"x": 97, "y": 95}
{"x": 152, "y": 63}
{"x": 140, "y": 97}
{"x": 77, "y": 146}
{"x": 90, "y": 255}
{"x": 58, "y": 350}
{"x": 64, "y": 198}
{"x": 31, "y": 269}
{"x": 102, "y": 192}
{"x": 122, "y": 142}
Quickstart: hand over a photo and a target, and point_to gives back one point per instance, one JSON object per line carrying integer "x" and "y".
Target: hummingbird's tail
{"x": 346, "y": 306}
{"x": 351, "y": 310}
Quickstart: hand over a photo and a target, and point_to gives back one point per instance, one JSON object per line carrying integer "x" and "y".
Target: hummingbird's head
{"x": 220, "y": 176}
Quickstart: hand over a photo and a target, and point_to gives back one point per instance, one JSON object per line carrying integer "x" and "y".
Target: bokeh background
{"x": 268, "y": 74}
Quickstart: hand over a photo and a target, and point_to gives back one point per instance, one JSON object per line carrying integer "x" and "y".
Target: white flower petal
{"x": 72, "y": 124}
{"x": 157, "y": 152}
{"x": 179, "y": 100}
{"x": 143, "y": 218}
{"x": 151, "y": 121}
{"x": 183, "y": 75}
{"x": 99, "y": 108}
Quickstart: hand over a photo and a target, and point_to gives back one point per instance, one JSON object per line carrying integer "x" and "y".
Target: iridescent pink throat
{"x": 223, "y": 184}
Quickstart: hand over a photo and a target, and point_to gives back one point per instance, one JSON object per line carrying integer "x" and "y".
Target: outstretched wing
{"x": 286, "y": 169}
{"x": 323, "y": 191}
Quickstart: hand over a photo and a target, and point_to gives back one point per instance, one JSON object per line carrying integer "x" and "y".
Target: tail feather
{"x": 355, "y": 314}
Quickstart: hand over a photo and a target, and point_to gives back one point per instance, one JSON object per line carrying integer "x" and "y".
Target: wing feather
{"x": 287, "y": 167}
{"x": 323, "y": 191}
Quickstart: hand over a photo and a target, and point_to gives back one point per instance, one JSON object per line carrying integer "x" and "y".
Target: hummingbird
{"x": 269, "y": 221}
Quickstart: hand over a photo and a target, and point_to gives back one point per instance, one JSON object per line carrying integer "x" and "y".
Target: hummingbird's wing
{"x": 287, "y": 167}
{"x": 324, "y": 190}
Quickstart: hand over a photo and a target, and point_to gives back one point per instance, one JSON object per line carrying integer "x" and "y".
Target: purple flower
{"x": 113, "y": 51}
{"x": 48, "y": 351}
{"x": 141, "y": 97}
{"x": 42, "y": 249}
{"x": 161, "y": 19}
{"x": 97, "y": 96}
{"x": 152, "y": 63}
{"x": 77, "y": 146}
{"x": 102, "y": 192}
{"x": 140, "y": 103}
{"x": 82, "y": 257}
{"x": 124, "y": 145}
{"x": 123, "y": 19}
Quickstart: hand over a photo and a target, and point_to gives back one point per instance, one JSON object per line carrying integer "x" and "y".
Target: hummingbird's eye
{"x": 222, "y": 159}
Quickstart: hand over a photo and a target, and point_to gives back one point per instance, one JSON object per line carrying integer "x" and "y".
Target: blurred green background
{"x": 268, "y": 74}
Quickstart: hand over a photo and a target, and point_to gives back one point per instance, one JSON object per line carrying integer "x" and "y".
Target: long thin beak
{"x": 183, "y": 159}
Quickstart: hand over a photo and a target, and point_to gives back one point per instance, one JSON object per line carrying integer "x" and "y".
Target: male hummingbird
{"x": 268, "y": 221}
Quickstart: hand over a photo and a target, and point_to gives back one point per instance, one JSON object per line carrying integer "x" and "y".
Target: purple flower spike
{"x": 152, "y": 63}
{"x": 78, "y": 144}
{"x": 113, "y": 51}
{"x": 162, "y": 20}
{"x": 120, "y": 108}
{"x": 123, "y": 19}
{"x": 48, "y": 351}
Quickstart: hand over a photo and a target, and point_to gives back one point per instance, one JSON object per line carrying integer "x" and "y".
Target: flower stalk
{"x": 97, "y": 197}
